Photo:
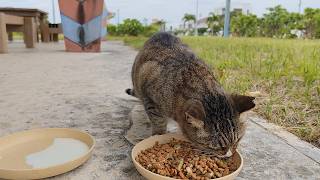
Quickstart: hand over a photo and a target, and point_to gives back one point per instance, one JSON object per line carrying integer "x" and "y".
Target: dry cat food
{"x": 177, "y": 159}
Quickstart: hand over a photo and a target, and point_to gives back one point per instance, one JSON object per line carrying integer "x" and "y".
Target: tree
{"x": 112, "y": 30}
{"x": 150, "y": 30}
{"x": 275, "y": 22}
{"x": 295, "y": 21}
{"x": 244, "y": 25}
{"x": 130, "y": 27}
{"x": 187, "y": 18}
{"x": 161, "y": 24}
{"x": 311, "y": 22}
{"x": 214, "y": 23}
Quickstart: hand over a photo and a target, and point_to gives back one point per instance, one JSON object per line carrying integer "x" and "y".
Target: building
{"x": 244, "y": 8}
{"x": 202, "y": 23}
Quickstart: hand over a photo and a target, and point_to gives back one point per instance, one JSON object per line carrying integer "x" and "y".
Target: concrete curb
{"x": 301, "y": 146}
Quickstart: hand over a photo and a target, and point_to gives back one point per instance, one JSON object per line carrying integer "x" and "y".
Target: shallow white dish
{"x": 19, "y": 151}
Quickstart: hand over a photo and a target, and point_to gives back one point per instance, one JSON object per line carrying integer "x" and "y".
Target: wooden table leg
{"x": 44, "y": 28}
{"x": 3, "y": 35}
{"x": 29, "y": 32}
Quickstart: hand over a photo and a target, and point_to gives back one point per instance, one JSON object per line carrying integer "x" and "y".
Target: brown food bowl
{"x": 149, "y": 142}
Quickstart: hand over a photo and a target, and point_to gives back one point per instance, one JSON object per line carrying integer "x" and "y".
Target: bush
{"x": 202, "y": 31}
{"x": 131, "y": 27}
{"x": 150, "y": 30}
{"x": 112, "y": 30}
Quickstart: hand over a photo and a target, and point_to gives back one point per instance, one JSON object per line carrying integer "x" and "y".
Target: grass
{"x": 284, "y": 75}
{"x": 135, "y": 42}
{"x": 19, "y": 36}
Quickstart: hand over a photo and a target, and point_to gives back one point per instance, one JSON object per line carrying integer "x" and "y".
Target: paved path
{"x": 46, "y": 87}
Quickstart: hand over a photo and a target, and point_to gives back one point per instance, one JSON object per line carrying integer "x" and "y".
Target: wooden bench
{"x": 11, "y": 23}
{"x": 40, "y": 19}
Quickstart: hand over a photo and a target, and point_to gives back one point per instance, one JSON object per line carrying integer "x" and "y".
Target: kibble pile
{"x": 177, "y": 159}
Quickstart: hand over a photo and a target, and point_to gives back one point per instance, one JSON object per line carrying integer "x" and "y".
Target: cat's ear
{"x": 243, "y": 103}
{"x": 194, "y": 112}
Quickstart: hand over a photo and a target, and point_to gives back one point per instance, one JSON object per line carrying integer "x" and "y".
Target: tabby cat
{"x": 172, "y": 82}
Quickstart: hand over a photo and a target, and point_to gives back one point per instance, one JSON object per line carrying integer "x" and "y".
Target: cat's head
{"x": 214, "y": 124}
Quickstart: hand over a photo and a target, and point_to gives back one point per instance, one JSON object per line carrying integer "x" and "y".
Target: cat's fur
{"x": 174, "y": 83}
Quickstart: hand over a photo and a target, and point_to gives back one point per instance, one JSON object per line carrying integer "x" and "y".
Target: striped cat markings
{"x": 172, "y": 82}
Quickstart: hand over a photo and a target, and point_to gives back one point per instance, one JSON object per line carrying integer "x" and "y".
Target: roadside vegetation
{"x": 132, "y": 27}
{"x": 276, "y": 23}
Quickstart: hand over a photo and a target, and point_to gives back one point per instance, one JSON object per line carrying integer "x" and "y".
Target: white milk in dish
{"x": 61, "y": 151}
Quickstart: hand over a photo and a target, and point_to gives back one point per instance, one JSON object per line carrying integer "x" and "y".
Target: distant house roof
{"x": 202, "y": 23}
{"x": 203, "y": 20}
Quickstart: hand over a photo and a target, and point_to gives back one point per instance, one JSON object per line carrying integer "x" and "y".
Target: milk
{"x": 61, "y": 151}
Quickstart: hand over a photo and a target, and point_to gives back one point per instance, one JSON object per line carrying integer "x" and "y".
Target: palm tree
{"x": 187, "y": 18}
{"x": 161, "y": 23}
{"x": 213, "y": 22}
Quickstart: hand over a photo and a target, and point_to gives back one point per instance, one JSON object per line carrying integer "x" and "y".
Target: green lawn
{"x": 283, "y": 74}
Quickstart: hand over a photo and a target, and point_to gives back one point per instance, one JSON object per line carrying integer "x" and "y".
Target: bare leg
{"x": 158, "y": 122}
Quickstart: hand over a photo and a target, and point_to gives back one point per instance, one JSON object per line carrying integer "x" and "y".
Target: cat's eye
{"x": 214, "y": 147}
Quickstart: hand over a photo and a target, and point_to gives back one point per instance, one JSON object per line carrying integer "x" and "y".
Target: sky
{"x": 171, "y": 11}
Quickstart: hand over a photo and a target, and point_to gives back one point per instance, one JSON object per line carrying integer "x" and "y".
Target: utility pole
{"x": 118, "y": 16}
{"x": 196, "y": 21}
{"x": 145, "y": 21}
{"x": 53, "y": 12}
{"x": 226, "y": 19}
{"x": 300, "y": 4}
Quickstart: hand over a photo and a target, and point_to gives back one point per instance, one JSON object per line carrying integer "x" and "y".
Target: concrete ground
{"x": 47, "y": 87}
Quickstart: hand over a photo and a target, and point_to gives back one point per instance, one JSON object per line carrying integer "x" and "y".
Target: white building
{"x": 245, "y": 8}
{"x": 202, "y": 23}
